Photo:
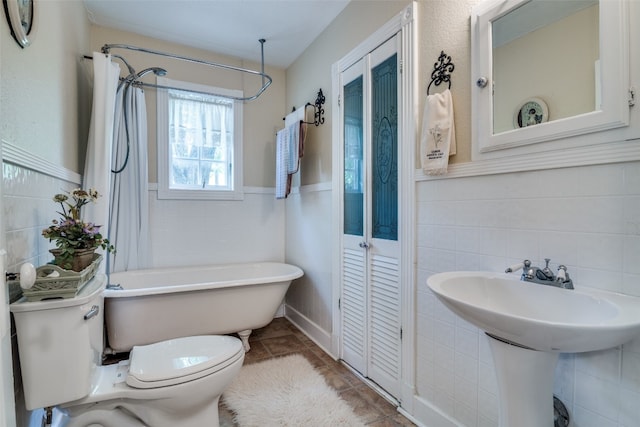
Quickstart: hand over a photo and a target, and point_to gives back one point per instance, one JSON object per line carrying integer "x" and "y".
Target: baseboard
{"x": 315, "y": 333}
{"x": 427, "y": 415}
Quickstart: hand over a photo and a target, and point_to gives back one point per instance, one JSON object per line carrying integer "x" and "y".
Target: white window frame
{"x": 236, "y": 191}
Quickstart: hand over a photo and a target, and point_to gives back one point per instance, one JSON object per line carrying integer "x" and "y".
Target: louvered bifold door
{"x": 370, "y": 297}
{"x": 354, "y": 297}
{"x": 384, "y": 281}
{"x": 384, "y": 324}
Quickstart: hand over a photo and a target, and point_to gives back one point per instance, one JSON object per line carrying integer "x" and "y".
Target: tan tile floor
{"x": 281, "y": 338}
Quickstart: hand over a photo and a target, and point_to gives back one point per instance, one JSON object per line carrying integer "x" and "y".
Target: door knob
{"x": 364, "y": 245}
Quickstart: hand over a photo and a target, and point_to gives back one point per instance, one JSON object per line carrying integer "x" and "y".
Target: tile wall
{"x": 27, "y": 208}
{"x": 587, "y": 218}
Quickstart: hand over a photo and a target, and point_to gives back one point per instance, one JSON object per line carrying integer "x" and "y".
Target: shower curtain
{"x": 129, "y": 207}
{"x": 97, "y": 168}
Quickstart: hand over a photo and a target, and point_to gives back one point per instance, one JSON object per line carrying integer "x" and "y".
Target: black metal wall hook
{"x": 442, "y": 70}
{"x": 318, "y": 117}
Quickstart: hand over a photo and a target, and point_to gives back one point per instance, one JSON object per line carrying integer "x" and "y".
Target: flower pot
{"x": 81, "y": 259}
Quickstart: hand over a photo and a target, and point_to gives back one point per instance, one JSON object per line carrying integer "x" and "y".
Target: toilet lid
{"x": 182, "y": 359}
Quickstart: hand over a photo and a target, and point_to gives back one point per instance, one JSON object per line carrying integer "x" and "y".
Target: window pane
{"x": 201, "y": 139}
{"x": 184, "y": 172}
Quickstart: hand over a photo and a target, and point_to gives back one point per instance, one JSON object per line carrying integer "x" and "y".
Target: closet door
{"x": 370, "y": 300}
{"x": 354, "y": 298}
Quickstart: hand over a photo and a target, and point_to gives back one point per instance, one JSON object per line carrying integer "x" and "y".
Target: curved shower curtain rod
{"x": 266, "y": 80}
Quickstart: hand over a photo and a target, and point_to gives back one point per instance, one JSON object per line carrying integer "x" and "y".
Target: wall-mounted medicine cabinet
{"x": 548, "y": 75}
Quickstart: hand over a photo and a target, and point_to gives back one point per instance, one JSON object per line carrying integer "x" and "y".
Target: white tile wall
{"x": 193, "y": 232}
{"x": 28, "y": 209}
{"x": 587, "y": 218}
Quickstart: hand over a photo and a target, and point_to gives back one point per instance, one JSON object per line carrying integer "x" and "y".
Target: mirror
{"x": 544, "y": 56}
{"x": 542, "y": 71}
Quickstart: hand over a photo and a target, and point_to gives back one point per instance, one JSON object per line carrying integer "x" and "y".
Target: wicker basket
{"x": 55, "y": 282}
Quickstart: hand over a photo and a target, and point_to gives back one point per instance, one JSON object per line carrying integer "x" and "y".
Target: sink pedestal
{"x": 525, "y": 384}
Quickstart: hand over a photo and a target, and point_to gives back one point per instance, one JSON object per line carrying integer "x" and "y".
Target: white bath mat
{"x": 286, "y": 391}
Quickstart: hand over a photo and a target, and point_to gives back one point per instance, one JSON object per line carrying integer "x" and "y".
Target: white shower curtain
{"x": 129, "y": 210}
{"x": 97, "y": 169}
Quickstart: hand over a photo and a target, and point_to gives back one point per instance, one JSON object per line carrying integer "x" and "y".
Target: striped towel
{"x": 282, "y": 160}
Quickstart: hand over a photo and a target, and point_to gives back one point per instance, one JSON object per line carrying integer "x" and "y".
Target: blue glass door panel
{"x": 353, "y": 158}
{"x": 384, "y": 149}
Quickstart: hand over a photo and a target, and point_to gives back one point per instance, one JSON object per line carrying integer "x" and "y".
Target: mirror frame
{"x": 614, "y": 85}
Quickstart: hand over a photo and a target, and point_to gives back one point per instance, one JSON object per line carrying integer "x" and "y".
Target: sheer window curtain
{"x": 193, "y": 119}
{"x": 129, "y": 207}
{"x": 97, "y": 168}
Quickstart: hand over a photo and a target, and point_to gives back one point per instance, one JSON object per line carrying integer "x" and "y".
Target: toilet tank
{"x": 60, "y": 342}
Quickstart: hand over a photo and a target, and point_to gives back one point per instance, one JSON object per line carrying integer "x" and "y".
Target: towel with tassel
{"x": 438, "y": 137}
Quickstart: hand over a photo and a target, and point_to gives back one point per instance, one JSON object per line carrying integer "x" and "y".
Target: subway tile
{"x": 631, "y": 254}
{"x": 466, "y": 414}
{"x": 600, "y": 251}
{"x": 629, "y": 408}
{"x": 600, "y": 396}
{"x": 603, "y": 364}
{"x": 466, "y": 342}
{"x": 523, "y": 244}
{"x": 631, "y": 371}
{"x": 564, "y": 378}
{"x": 444, "y": 334}
{"x": 632, "y": 178}
{"x": 493, "y": 241}
{"x": 583, "y": 417}
{"x": 466, "y": 367}
{"x": 468, "y": 261}
{"x": 488, "y": 407}
{"x": 487, "y": 381}
{"x": 631, "y": 216}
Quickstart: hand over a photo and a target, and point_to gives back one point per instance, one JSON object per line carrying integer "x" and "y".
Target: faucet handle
{"x": 562, "y": 273}
{"x": 515, "y": 267}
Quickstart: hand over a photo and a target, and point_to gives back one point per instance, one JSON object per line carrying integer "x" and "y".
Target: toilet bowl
{"x": 171, "y": 383}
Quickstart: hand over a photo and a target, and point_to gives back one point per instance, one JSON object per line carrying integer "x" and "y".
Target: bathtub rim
{"x": 293, "y": 272}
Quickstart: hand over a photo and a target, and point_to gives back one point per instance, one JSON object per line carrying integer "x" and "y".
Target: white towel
{"x": 289, "y": 150}
{"x": 295, "y": 116}
{"x": 293, "y": 155}
{"x": 438, "y": 137}
{"x": 282, "y": 155}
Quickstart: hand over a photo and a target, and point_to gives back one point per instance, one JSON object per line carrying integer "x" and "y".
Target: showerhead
{"x": 156, "y": 70}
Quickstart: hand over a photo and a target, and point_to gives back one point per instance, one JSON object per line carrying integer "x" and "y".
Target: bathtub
{"x": 163, "y": 303}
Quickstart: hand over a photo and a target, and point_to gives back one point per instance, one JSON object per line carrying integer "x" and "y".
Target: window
{"x": 199, "y": 142}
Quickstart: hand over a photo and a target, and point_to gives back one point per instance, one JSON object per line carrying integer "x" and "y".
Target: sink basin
{"x": 536, "y": 316}
{"x": 529, "y": 325}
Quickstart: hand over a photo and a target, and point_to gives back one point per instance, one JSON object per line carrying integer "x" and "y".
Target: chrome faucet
{"x": 543, "y": 276}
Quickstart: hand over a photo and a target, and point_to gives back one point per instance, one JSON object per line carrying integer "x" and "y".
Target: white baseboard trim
{"x": 315, "y": 333}
{"x": 428, "y": 415}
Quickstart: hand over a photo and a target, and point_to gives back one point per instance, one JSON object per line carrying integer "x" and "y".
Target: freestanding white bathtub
{"x": 164, "y": 303}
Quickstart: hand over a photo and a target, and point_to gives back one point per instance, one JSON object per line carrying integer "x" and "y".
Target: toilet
{"x": 176, "y": 382}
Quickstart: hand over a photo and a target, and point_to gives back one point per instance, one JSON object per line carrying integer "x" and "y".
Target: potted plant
{"x": 76, "y": 240}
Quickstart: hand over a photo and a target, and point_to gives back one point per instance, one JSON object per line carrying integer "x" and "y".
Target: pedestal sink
{"x": 528, "y": 325}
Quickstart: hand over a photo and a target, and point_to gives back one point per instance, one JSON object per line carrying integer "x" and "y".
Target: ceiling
{"x": 230, "y": 27}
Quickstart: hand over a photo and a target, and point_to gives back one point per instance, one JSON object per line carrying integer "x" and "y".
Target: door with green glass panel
{"x": 370, "y": 298}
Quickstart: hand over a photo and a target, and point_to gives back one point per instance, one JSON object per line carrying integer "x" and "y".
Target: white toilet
{"x": 171, "y": 383}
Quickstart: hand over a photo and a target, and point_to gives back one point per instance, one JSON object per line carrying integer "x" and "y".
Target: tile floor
{"x": 281, "y": 338}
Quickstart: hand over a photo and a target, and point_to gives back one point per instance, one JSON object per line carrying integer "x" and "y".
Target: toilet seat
{"x": 180, "y": 360}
